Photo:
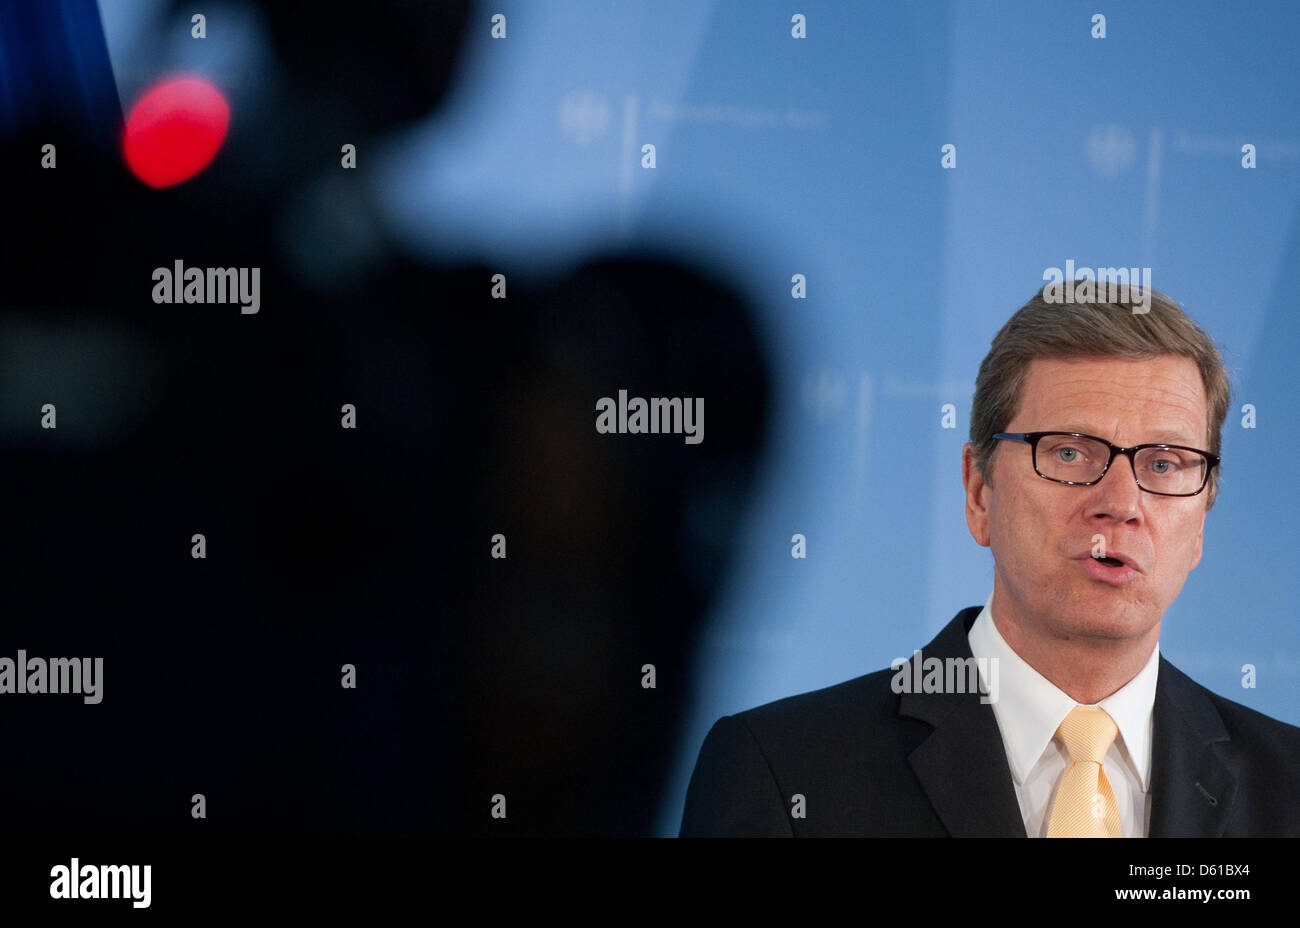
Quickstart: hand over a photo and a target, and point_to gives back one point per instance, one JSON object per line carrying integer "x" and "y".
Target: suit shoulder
{"x": 1260, "y": 734}
{"x": 753, "y": 762}
{"x": 1245, "y": 722}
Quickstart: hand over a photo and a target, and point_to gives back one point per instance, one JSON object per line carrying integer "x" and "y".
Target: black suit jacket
{"x": 872, "y": 762}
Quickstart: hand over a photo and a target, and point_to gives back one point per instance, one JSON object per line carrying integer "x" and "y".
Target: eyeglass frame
{"x": 1033, "y": 438}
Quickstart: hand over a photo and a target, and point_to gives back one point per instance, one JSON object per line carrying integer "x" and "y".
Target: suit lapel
{"x": 1192, "y": 789}
{"x": 962, "y": 765}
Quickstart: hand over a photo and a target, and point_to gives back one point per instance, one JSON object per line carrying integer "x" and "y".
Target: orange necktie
{"x": 1085, "y": 805}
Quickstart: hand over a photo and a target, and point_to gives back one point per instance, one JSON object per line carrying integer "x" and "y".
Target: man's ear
{"x": 977, "y": 513}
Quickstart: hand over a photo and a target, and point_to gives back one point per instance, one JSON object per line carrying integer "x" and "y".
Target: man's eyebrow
{"x": 1174, "y": 437}
{"x": 1170, "y": 436}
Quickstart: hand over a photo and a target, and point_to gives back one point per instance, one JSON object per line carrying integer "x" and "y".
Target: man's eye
{"x": 1068, "y": 455}
{"x": 1165, "y": 465}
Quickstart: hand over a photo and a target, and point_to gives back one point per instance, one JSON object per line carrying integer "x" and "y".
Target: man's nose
{"x": 1117, "y": 494}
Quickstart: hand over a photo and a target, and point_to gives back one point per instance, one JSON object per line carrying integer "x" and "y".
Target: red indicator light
{"x": 175, "y": 130}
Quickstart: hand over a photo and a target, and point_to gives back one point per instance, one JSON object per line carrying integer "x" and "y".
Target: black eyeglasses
{"x": 1082, "y": 460}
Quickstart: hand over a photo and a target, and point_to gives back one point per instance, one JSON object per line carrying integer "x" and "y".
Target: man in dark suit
{"x": 1095, "y": 433}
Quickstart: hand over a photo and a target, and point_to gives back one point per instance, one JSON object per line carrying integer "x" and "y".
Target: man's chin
{"x": 1117, "y": 624}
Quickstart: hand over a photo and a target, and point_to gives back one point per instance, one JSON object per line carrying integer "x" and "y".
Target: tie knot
{"x": 1087, "y": 733}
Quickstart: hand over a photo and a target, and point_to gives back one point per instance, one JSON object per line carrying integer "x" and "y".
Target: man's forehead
{"x": 1174, "y": 436}
{"x": 1087, "y": 394}
{"x": 1110, "y": 367}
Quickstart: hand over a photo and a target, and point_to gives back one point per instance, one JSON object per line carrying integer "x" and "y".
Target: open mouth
{"x": 1109, "y": 561}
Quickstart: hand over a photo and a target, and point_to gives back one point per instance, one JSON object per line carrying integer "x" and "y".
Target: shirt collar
{"x": 1030, "y": 707}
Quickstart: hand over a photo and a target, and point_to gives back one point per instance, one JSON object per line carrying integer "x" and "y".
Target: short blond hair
{"x": 1101, "y": 329}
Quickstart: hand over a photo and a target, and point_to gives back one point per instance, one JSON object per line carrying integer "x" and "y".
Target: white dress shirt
{"x": 1029, "y": 709}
